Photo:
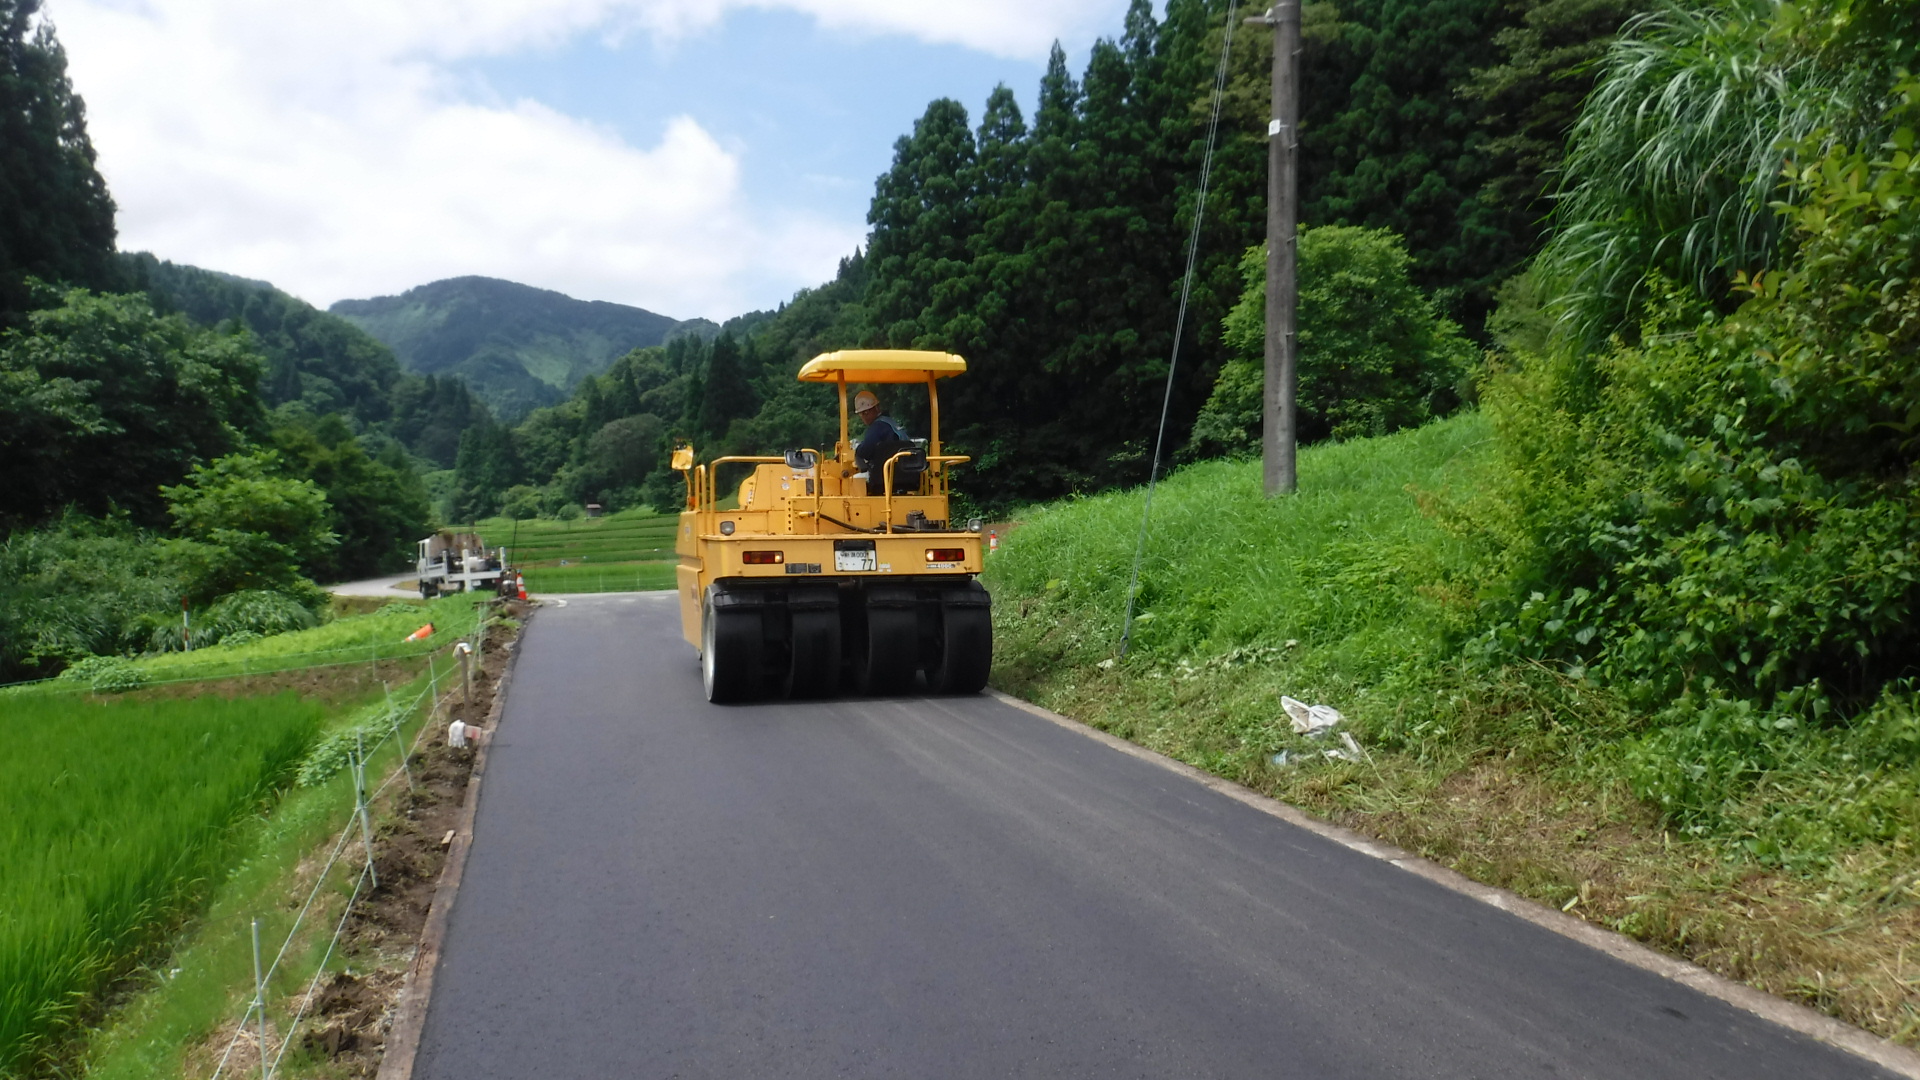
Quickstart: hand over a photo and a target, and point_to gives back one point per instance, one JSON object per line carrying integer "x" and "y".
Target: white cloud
{"x": 325, "y": 145}
{"x": 1012, "y": 28}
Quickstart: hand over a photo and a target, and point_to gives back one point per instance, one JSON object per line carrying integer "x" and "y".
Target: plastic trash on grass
{"x": 1349, "y": 750}
{"x": 1310, "y": 720}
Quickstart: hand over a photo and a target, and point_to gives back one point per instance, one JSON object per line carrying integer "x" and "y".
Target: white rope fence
{"x": 357, "y": 820}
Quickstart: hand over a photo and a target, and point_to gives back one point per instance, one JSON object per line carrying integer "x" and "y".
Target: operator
{"x": 881, "y": 430}
{"x": 882, "y": 440}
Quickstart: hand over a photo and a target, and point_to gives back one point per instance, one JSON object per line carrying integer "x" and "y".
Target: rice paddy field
{"x": 113, "y": 814}
{"x": 118, "y": 812}
{"x": 628, "y": 551}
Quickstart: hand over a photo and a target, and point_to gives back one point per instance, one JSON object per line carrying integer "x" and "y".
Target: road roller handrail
{"x": 713, "y": 474}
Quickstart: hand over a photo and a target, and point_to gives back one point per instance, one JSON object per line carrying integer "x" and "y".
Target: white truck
{"x": 453, "y": 562}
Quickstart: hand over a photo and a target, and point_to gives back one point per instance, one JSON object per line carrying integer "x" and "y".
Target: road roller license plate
{"x": 845, "y": 561}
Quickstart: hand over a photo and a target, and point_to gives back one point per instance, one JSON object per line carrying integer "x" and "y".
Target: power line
{"x": 1180, "y": 323}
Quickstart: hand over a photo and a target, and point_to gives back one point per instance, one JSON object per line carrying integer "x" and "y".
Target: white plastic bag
{"x": 1311, "y": 720}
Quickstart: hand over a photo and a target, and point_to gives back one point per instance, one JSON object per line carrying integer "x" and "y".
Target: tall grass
{"x": 1678, "y": 154}
{"x": 113, "y": 818}
{"x": 1334, "y": 569}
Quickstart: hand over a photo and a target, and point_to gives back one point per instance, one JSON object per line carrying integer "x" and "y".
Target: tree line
{"x": 1049, "y": 251}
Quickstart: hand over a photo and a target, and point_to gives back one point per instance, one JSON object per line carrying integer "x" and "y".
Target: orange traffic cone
{"x": 521, "y": 579}
{"x": 421, "y": 634}
{"x": 993, "y": 541}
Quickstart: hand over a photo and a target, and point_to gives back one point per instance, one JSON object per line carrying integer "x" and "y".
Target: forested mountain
{"x": 518, "y": 347}
{"x": 320, "y": 360}
{"x": 1049, "y": 250}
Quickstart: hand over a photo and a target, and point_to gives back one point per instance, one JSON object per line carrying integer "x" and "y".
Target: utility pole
{"x": 1283, "y": 286}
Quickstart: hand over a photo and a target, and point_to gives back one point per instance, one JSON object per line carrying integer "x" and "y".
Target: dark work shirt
{"x": 883, "y": 430}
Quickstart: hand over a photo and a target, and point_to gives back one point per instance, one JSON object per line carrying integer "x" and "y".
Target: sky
{"x": 697, "y": 158}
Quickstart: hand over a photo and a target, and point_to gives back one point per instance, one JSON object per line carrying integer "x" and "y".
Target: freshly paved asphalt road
{"x": 394, "y": 585}
{"x": 930, "y": 888}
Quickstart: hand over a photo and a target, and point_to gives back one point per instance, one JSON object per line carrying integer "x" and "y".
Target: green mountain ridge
{"x": 517, "y": 346}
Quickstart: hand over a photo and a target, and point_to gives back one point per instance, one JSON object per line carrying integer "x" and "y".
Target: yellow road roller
{"x": 842, "y": 570}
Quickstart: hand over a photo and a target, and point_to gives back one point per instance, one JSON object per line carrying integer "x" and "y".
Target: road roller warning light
{"x": 872, "y": 589}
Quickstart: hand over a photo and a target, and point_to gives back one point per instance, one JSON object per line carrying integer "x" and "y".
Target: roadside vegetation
{"x": 337, "y": 946}
{"x": 1519, "y": 775}
{"x": 129, "y": 788}
{"x": 1639, "y": 638}
{"x": 116, "y": 814}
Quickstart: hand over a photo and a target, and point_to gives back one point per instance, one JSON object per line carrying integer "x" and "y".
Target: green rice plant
{"x": 601, "y": 577}
{"x": 629, "y": 536}
{"x": 114, "y": 816}
{"x": 206, "y": 980}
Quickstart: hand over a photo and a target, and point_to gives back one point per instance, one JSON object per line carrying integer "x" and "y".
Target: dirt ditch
{"x": 416, "y": 819}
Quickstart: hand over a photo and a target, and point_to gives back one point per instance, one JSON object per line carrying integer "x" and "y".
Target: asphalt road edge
{"x": 1802, "y": 1019}
{"x": 410, "y": 1016}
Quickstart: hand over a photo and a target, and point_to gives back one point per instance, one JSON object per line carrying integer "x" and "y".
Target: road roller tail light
{"x": 763, "y": 558}
{"x": 946, "y": 554}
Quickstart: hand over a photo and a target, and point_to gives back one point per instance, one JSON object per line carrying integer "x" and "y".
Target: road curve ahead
{"x": 933, "y": 888}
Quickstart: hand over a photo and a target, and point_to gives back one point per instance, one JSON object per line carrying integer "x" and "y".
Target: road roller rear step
{"x": 840, "y": 574}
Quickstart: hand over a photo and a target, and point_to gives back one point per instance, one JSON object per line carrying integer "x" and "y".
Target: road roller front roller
{"x": 843, "y": 572}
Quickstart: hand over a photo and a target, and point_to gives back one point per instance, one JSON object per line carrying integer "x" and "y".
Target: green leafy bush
{"x": 106, "y": 674}
{"x": 258, "y": 611}
{"x": 1730, "y": 506}
{"x": 332, "y": 752}
{"x": 1792, "y": 784}
{"x": 80, "y": 587}
{"x": 1723, "y": 520}
{"x": 1375, "y": 355}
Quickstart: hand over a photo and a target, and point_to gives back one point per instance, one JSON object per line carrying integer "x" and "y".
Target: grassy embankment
{"x": 122, "y": 816}
{"x": 1511, "y": 776}
{"x": 628, "y": 551}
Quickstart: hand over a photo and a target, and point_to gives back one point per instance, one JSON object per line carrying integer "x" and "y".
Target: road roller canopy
{"x": 882, "y": 366}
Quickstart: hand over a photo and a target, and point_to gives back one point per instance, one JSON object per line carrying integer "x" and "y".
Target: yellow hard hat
{"x": 865, "y": 400}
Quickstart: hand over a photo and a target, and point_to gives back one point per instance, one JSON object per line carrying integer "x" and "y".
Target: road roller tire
{"x": 963, "y": 657}
{"x": 892, "y": 648}
{"x": 813, "y": 668}
{"x": 730, "y": 648}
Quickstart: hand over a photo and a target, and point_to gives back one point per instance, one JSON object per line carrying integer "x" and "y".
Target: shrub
{"x": 1375, "y": 355}
{"x": 257, "y": 611}
{"x": 332, "y": 753}
{"x": 245, "y": 526}
{"x": 78, "y": 588}
{"x": 106, "y": 674}
{"x": 1729, "y": 507}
